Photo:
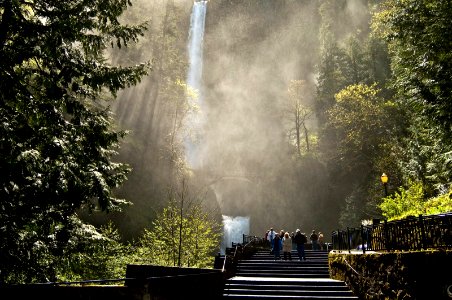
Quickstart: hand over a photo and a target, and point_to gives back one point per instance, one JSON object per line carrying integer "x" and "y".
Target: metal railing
{"x": 413, "y": 233}
{"x": 253, "y": 239}
{"x": 240, "y": 251}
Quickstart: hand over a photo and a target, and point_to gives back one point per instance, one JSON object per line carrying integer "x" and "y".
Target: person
{"x": 314, "y": 240}
{"x": 277, "y": 247}
{"x": 287, "y": 246}
{"x": 321, "y": 242}
{"x": 271, "y": 237}
{"x": 300, "y": 239}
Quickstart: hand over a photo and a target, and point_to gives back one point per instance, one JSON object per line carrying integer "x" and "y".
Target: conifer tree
{"x": 57, "y": 140}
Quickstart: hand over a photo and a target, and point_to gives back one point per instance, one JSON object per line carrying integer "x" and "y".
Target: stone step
{"x": 284, "y": 286}
{"x": 283, "y": 263}
{"x": 320, "y": 269}
{"x": 287, "y": 282}
{"x": 294, "y": 252}
{"x": 309, "y": 270}
{"x": 263, "y": 277}
{"x": 283, "y": 292}
{"x": 283, "y": 275}
{"x": 294, "y": 256}
{"x": 275, "y": 297}
{"x": 270, "y": 256}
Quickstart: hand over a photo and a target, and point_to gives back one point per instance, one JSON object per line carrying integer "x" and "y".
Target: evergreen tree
{"x": 417, "y": 34}
{"x": 102, "y": 257}
{"x": 354, "y": 64}
{"x": 56, "y": 135}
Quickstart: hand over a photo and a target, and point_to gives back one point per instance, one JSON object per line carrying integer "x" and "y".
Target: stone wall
{"x": 395, "y": 275}
{"x": 51, "y": 292}
{"x": 176, "y": 283}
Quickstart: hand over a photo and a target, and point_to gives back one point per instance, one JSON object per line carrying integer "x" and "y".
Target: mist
{"x": 250, "y": 58}
{"x": 252, "y": 50}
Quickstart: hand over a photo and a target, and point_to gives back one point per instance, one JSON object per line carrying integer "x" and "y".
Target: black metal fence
{"x": 413, "y": 233}
{"x": 252, "y": 238}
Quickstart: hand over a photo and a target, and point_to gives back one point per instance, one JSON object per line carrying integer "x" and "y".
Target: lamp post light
{"x": 384, "y": 180}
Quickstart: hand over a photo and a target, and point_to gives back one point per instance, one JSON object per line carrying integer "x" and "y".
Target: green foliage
{"x": 56, "y": 135}
{"x": 181, "y": 236}
{"x": 440, "y": 204}
{"x": 406, "y": 202}
{"x": 359, "y": 117}
{"x": 412, "y": 202}
{"x": 362, "y": 122}
{"x": 348, "y": 56}
{"x": 417, "y": 33}
{"x": 409, "y": 136}
{"x": 83, "y": 253}
{"x": 421, "y": 54}
{"x": 102, "y": 256}
{"x": 425, "y": 156}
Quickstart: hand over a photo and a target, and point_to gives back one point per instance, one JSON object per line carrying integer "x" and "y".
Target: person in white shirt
{"x": 271, "y": 237}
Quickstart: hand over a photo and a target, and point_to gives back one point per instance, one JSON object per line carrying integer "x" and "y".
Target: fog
{"x": 250, "y": 58}
{"x": 252, "y": 50}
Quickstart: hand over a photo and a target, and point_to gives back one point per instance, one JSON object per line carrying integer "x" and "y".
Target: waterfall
{"x": 195, "y": 120}
{"x": 233, "y": 230}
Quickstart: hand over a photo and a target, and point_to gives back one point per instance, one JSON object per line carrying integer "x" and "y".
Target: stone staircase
{"x": 262, "y": 277}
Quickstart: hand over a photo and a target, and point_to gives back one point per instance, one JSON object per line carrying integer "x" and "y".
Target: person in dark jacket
{"x": 300, "y": 239}
{"x": 314, "y": 240}
{"x": 277, "y": 245}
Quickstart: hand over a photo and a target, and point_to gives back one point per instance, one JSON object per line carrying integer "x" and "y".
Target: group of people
{"x": 283, "y": 241}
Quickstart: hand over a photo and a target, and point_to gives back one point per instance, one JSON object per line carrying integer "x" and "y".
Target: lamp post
{"x": 384, "y": 180}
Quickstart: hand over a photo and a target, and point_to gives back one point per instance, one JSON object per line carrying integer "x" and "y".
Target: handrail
{"x": 350, "y": 266}
{"x": 239, "y": 251}
{"x": 412, "y": 233}
{"x": 81, "y": 281}
{"x": 114, "y": 280}
{"x": 226, "y": 260}
{"x": 179, "y": 275}
{"x": 224, "y": 263}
